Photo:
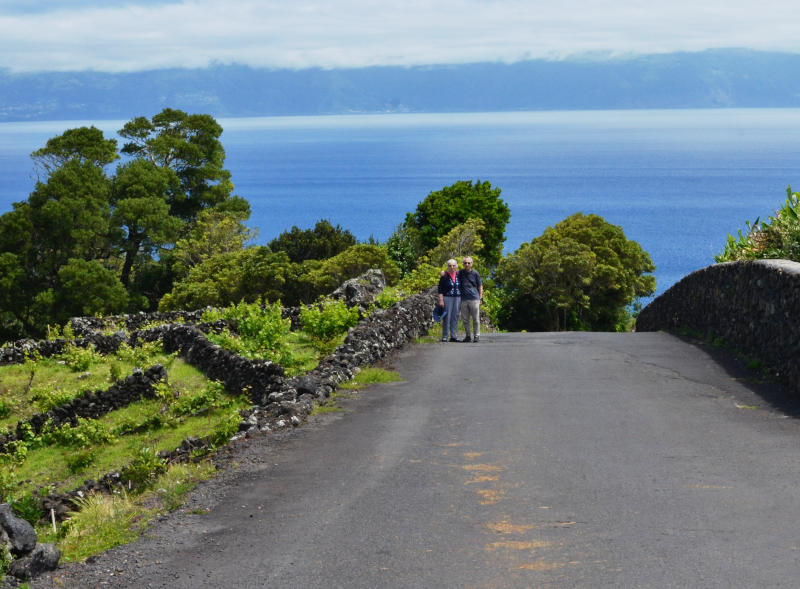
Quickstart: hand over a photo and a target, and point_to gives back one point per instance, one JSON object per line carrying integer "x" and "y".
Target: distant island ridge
{"x": 721, "y": 78}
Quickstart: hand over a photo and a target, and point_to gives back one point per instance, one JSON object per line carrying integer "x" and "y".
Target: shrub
{"x": 328, "y": 319}
{"x": 144, "y": 469}
{"x": 777, "y": 237}
{"x": 78, "y": 460}
{"x": 47, "y": 398}
{"x": 261, "y": 329}
{"x": 79, "y": 359}
{"x": 86, "y": 433}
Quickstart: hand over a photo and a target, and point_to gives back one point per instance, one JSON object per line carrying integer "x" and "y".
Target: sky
{"x": 135, "y": 35}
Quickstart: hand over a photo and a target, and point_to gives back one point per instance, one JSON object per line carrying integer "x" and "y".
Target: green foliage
{"x": 188, "y": 145}
{"x": 371, "y": 375}
{"x": 422, "y": 277}
{"x": 79, "y": 460}
{"x": 140, "y": 356}
{"x": 27, "y": 507}
{"x": 248, "y": 275}
{"x": 389, "y": 296}
{"x": 89, "y": 289}
{"x": 86, "y": 144}
{"x": 581, "y": 274}
{"x": 101, "y": 522}
{"x": 462, "y": 240}
{"x": 79, "y": 359}
{"x": 444, "y": 209}
{"x": 404, "y": 248}
{"x": 144, "y": 469}
{"x": 322, "y": 242}
{"x": 777, "y": 237}
{"x": 328, "y": 319}
{"x": 47, "y": 398}
{"x": 214, "y": 232}
{"x": 85, "y": 434}
{"x": 86, "y": 243}
{"x": 261, "y": 330}
{"x": 6, "y": 558}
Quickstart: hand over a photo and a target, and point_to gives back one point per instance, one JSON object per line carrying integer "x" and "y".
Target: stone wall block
{"x": 753, "y": 306}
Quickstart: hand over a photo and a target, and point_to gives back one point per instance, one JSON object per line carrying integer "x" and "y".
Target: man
{"x": 471, "y": 299}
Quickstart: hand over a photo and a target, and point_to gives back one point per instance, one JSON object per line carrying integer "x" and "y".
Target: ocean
{"x": 677, "y": 181}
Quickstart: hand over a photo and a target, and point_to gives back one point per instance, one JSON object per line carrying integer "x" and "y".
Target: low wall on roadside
{"x": 753, "y": 307}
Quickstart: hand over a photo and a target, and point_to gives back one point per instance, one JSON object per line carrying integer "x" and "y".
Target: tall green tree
{"x": 443, "y": 209}
{"x": 583, "y": 273}
{"x": 321, "y": 242}
{"x": 189, "y": 145}
{"x": 141, "y": 214}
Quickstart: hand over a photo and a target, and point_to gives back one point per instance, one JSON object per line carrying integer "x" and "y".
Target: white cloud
{"x": 128, "y": 36}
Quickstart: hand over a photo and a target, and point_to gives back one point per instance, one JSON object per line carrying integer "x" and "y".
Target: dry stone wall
{"x": 754, "y": 307}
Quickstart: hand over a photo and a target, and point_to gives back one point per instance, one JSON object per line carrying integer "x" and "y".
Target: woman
{"x": 450, "y": 300}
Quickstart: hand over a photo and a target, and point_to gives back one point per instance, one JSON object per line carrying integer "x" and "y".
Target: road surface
{"x": 526, "y": 460}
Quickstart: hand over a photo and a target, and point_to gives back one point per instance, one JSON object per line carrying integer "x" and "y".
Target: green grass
{"x": 36, "y": 387}
{"x": 371, "y": 375}
{"x": 105, "y": 521}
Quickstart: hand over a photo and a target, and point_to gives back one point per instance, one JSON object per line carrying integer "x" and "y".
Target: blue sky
{"x": 126, "y": 35}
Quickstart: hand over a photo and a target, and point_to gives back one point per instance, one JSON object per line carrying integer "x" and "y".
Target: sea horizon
{"x": 677, "y": 181}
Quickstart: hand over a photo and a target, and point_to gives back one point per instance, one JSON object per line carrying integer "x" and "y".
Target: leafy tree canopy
{"x": 582, "y": 273}
{"x": 321, "y": 242}
{"x": 85, "y": 144}
{"x": 443, "y": 209}
{"x": 189, "y": 145}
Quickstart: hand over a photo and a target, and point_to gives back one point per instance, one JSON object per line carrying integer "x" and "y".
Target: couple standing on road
{"x": 460, "y": 293}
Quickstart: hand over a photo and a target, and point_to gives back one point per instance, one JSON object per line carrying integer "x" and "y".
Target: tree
{"x": 86, "y": 144}
{"x": 462, "y": 240}
{"x": 444, "y": 209}
{"x": 582, "y": 273}
{"x": 189, "y": 145}
{"x": 321, "y": 242}
{"x": 214, "y": 232}
{"x": 141, "y": 213}
{"x": 228, "y": 278}
{"x": 88, "y": 289}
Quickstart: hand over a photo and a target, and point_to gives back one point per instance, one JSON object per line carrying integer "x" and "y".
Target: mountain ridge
{"x": 724, "y": 78}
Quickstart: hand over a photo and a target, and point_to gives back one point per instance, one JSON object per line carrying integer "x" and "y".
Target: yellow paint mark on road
{"x": 506, "y": 527}
{"x": 540, "y": 565}
{"x": 415, "y": 461}
{"x": 472, "y": 455}
{"x": 514, "y": 545}
{"x": 490, "y": 496}
{"x": 485, "y": 478}
{"x": 482, "y": 468}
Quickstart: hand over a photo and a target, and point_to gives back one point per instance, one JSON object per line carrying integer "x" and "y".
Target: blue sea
{"x": 677, "y": 181}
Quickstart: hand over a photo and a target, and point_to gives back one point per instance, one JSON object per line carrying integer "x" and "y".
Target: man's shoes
{"x": 476, "y": 339}
{"x": 467, "y": 339}
{"x": 444, "y": 339}
{"x": 452, "y": 339}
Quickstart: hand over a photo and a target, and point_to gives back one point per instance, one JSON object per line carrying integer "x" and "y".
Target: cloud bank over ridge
{"x": 127, "y": 36}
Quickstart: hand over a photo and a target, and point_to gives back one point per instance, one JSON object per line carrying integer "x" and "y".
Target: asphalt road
{"x": 527, "y": 460}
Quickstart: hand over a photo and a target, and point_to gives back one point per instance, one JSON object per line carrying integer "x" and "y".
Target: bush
{"x": 79, "y": 359}
{"x": 328, "y": 319}
{"x": 262, "y": 330}
{"x": 777, "y": 237}
{"x": 144, "y": 469}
